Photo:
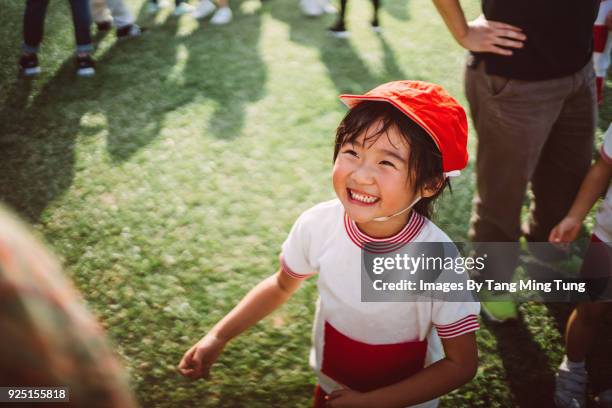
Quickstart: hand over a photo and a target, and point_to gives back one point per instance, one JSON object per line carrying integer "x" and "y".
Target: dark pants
{"x": 529, "y": 132}
{"x": 34, "y": 22}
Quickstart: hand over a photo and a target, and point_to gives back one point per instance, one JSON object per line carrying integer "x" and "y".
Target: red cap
{"x": 432, "y": 108}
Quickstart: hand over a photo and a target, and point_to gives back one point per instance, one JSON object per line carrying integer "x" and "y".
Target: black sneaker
{"x": 28, "y": 65}
{"x": 338, "y": 30}
{"x": 85, "y": 66}
{"x": 130, "y": 31}
{"x": 104, "y": 25}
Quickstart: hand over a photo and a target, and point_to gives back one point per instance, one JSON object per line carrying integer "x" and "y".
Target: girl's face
{"x": 372, "y": 181}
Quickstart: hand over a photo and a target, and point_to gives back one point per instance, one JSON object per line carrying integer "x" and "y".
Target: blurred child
{"x": 222, "y": 14}
{"x": 393, "y": 152}
{"x": 339, "y": 27}
{"x": 602, "y": 44}
{"x": 49, "y": 338}
{"x": 33, "y": 27}
{"x": 596, "y": 268}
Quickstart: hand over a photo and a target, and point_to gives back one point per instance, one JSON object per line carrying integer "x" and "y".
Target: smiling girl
{"x": 394, "y": 151}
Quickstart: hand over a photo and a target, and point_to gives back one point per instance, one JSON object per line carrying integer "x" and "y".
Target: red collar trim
{"x": 384, "y": 245}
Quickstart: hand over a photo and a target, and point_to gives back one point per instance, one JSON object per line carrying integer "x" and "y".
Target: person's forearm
{"x": 453, "y": 17}
{"x": 594, "y": 184}
{"x": 438, "y": 379}
{"x": 262, "y": 300}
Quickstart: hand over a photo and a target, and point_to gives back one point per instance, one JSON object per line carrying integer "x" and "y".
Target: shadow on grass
{"x": 139, "y": 83}
{"x": 529, "y": 377}
{"x": 344, "y": 65}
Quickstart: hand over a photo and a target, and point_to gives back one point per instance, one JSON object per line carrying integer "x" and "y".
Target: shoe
{"x": 327, "y": 7}
{"x": 203, "y": 9}
{"x": 28, "y": 65}
{"x": 222, "y": 16}
{"x": 104, "y": 25}
{"x": 375, "y": 26}
{"x": 183, "y": 8}
{"x": 85, "y": 66}
{"x": 570, "y": 388}
{"x": 152, "y": 8}
{"x": 311, "y": 8}
{"x": 130, "y": 31}
{"x": 498, "y": 311}
{"x": 338, "y": 30}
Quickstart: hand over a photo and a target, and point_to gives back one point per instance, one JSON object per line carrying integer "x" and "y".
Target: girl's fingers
{"x": 187, "y": 358}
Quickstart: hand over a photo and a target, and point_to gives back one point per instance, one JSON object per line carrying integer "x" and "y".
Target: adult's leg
{"x": 376, "y": 5}
{"x": 513, "y": 119}
{"x": 81, "y": 18}
{"x": 566, "y": 157}
{"x": 33, "y": 24}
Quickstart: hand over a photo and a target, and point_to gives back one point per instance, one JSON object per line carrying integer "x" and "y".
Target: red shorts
{"x": 366, "y": 367}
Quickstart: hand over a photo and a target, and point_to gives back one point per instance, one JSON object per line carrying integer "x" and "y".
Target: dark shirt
{"x": 559, "y": 37}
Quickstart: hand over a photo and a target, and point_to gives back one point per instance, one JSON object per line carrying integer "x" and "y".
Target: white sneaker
{"x": 570, "y": 388}
{"x": 203, "y": 9}
{"x": 311, "y": 8}
{"x": 327, "y": 7}
{"x": 183, "y": 8}
{"x": 152, "y": 8}
{"x": 223, "y": 15}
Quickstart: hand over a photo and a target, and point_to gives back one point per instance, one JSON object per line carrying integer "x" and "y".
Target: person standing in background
{"x": 530, "y": 84}
{"x": 33, "y": 28}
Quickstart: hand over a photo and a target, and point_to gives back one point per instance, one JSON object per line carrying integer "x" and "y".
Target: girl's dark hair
{"x": 425, "y": 160}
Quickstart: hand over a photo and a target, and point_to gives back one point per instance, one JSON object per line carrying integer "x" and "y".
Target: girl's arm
{"x": 594, "y": 184}
{"x": 262, "y": 300}
{"x": 457, "y": 368}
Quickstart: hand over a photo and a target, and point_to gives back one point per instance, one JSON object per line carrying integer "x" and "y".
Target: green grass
{"x": 168, "y": 182}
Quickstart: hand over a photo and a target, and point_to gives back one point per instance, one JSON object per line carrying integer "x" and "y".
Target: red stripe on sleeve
{"x": 466, "y": 325}
{"x": 286, "y": 269}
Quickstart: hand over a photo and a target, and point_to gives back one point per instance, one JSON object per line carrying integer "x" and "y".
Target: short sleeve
{"x": 606, "y": 148}
{"x": 452, "y": 319}
{"x": 294, "y": 258}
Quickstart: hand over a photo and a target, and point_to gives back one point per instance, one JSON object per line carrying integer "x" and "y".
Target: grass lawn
{"x": 168, "y": 182}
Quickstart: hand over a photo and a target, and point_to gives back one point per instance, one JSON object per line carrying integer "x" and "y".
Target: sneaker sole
{"x": 340, "y": 34}
{"x": 28, "y": 72}
{"x": 86, "y": 72}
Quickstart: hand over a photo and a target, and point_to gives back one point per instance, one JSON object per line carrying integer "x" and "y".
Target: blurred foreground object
{"x": 48, "y": 336}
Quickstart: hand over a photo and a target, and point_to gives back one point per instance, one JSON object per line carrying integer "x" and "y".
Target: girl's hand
{"x": 198, "y": 359}
{"x": 346, "y": 398}
{"x": 566, "y": 231}
{"x": 490, "y": 36}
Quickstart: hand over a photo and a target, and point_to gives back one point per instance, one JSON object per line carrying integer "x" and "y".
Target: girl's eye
{"x": 388, "y": 163}
{"x": 350, "y": 152}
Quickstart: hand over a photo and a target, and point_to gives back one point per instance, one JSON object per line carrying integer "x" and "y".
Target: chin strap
{"x": 381, "y": 219}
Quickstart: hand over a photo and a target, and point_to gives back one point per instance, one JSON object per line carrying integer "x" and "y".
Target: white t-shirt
{"x": 326, "y": 242}
{"x": 603, "y": 228}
